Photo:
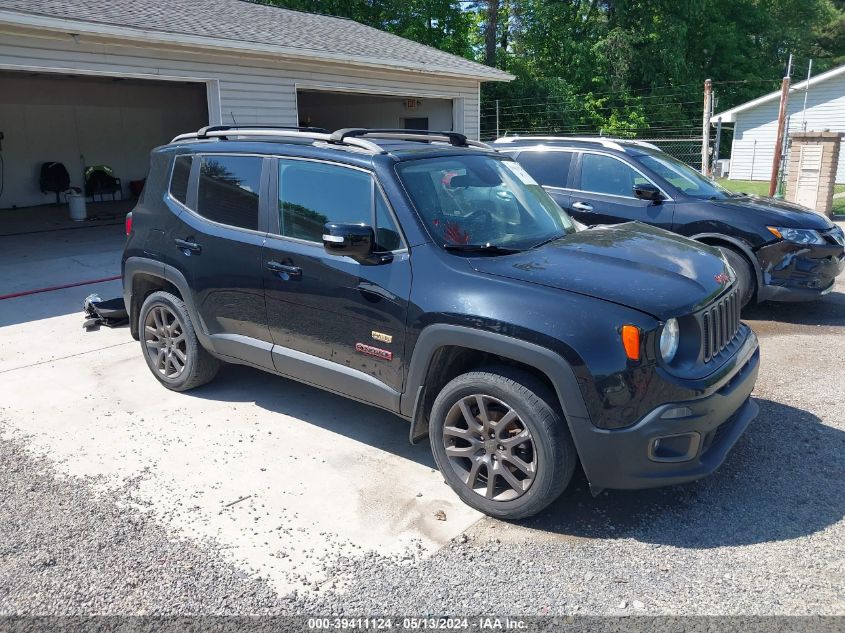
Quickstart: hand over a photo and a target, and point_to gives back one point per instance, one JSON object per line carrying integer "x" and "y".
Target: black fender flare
{"x": 553, "y": 365}
{"x": 141, "y": 265}
{"x": 741, "y": 245}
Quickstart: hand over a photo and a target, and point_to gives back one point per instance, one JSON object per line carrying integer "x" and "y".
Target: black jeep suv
{"x": 431, "y": 276}
{"x": 779, "y": 250}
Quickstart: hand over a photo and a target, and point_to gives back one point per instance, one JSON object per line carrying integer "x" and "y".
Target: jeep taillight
{"x": 128, "y": 223}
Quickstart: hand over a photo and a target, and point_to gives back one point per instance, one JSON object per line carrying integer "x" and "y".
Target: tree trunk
{"x": 490, "y": 32}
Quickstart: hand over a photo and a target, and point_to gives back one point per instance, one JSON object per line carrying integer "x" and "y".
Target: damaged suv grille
{"x": 719, "y": 324}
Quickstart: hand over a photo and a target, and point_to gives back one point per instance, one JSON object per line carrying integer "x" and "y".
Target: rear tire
{"x": 170, "y": 346}
{"x": 745, "y": 278}
{"x": 502, "y": 422}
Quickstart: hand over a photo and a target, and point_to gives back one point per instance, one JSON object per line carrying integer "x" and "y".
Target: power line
{"x": 551, "y": 106}
{"x": 621, "y": 92}
{"x": 573, "y": 98}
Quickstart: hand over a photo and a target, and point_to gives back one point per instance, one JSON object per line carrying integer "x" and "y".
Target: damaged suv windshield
{"x": 481, "y": 203}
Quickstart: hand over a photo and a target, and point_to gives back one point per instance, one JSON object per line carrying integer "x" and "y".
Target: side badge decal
{"x": 380, "y": 336}
{"x": 373, "y": 351}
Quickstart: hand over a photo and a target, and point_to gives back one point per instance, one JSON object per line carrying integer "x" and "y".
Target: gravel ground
{"x": 764, "y": 535}
{"x": 69, "y": 547}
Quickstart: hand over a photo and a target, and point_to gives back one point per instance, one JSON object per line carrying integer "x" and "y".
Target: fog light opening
{"x": 674, "y": 448}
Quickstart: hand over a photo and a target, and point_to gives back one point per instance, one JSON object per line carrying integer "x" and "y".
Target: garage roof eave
{"x": 78, "y": 27}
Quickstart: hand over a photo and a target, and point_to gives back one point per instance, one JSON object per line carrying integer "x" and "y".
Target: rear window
{"x": 550, "y": 169}
{"x": 180, "y": 177}
{"x": 228, "y": 190}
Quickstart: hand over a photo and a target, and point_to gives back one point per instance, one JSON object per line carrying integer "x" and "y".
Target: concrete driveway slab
{"x": 286, "y": 477}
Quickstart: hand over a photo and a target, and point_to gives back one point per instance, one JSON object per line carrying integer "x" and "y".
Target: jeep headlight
{"x": 669, "y": 339}
{"x": 797, "y": 236}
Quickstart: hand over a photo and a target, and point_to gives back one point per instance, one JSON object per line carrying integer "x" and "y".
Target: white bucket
{"x": 76, "y": 207}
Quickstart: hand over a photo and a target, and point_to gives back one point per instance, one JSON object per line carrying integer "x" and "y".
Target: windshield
{"x": 482, "y": 200}
{"x": 684, "y": 177}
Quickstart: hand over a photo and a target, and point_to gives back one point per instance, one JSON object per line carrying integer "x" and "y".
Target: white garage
{"x": 90, "y": 88}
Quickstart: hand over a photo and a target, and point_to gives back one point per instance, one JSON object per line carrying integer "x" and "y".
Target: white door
{"x": 809, "y": 169}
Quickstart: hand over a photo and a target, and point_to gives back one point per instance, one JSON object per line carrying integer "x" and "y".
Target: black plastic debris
{"x": 111, "y": 313}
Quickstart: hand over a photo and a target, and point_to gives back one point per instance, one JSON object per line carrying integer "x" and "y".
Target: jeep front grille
{"x": 720, "y": 324}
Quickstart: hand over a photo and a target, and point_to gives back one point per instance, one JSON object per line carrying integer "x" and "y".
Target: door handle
{"x": 188, "y": 246}
{"x": 292, "y": 272}
{"x": 582, "y": 206}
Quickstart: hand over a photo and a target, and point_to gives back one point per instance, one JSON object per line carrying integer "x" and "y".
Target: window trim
{"x": 666, "y": 196}
{"x": 274, "y": 226}
{"x": 193, "y": 191}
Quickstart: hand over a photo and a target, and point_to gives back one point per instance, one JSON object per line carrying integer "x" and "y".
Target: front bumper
{"x": 676, "y": 442}
{"x": 798, "y": 273}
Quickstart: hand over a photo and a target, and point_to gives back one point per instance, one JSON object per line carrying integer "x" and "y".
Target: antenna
{"x": 232, "y": 114}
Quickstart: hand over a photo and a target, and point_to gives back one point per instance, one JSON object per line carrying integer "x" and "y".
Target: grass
{"x": 761, "y": 188}
{"x": 754, "y": 187}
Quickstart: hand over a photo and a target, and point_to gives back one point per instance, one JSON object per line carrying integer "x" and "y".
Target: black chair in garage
{"x": 100, "y": 180}
{"x": 54, "y": 179}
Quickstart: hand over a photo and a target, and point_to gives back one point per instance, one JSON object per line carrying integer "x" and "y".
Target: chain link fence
{"x": 687, "y": 150}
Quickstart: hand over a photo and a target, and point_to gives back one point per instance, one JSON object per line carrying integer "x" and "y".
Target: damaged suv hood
{"x": 636, "y": 265}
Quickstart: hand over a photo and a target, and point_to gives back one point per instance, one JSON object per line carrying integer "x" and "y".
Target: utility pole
{"x": 784, "y": 100}
{"x": 497, "y": 118}
{"x": 705, "y": 127}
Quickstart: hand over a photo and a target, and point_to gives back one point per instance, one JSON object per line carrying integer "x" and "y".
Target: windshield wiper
{"x": 553, "y": 238}
{"x": 492, "y": 249}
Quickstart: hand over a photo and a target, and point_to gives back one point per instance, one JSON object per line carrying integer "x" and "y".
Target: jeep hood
{"x": 776, "y": 212}
{"x": 632, "y": 264}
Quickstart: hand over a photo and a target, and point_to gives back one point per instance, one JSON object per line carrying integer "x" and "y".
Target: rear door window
{"x": 550, "y": 168}
{"x": 228, "y": 190}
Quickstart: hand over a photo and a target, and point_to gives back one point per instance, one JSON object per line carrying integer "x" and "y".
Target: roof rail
{"x": 202, "y": 132}
{"x": 455, "y": 139}
{"x": 225, "y": 133}
{"x": 610, "y": 143}
{"x": 349, "y": 136}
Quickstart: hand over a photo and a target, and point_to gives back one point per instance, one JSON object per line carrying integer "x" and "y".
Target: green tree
{"x": 616, "y": 66}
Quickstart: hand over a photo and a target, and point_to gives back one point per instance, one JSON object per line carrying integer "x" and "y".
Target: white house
{"x": 88, "y": 83}
{"x": 755, "y": 123}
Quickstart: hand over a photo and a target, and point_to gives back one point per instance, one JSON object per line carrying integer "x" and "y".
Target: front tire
{"x": 500, "y": 442}
{"x": 170, "y": 345}
{"x": 744, "y": 274}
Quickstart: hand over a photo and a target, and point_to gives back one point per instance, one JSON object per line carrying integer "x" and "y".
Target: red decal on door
{"x": 373, "y": 351}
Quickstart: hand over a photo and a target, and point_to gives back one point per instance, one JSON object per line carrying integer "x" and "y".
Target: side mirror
{"x": 351, "y": 240}
{"x": 647, "y": 191}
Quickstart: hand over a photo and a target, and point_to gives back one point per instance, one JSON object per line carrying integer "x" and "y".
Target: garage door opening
{"x": 335, "y": 110}
{"x": 79, "y": 122}
{"x": 84, "y": 121}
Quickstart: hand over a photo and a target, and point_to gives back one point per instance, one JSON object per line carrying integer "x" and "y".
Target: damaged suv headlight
{"x": 797, "y": 236}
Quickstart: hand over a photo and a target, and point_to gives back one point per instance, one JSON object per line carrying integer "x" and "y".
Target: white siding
{"x": 756, "y": 129}
{"x": 256, "y": 90}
